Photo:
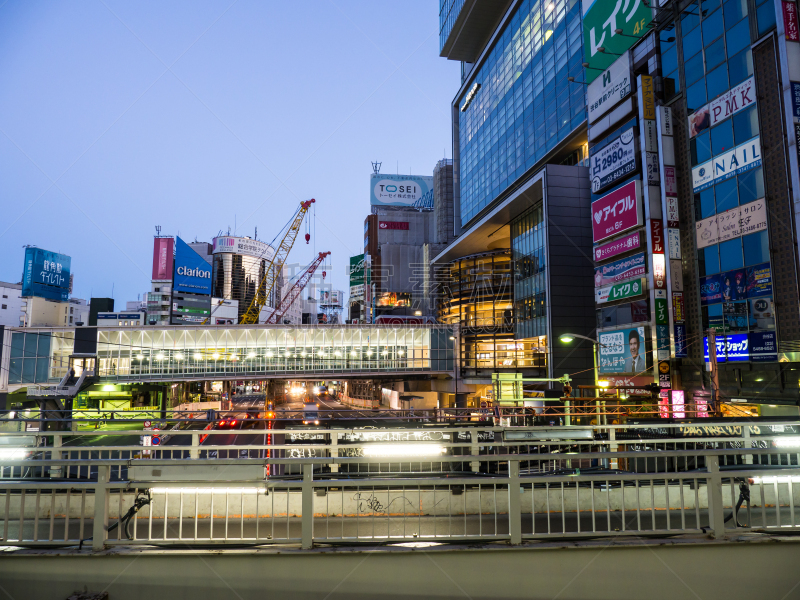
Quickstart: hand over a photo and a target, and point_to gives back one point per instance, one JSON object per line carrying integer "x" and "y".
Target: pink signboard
{"x": 790, "y": 22}
{"x": 163, "y": 252}
{"x": 617, "y": 247}
{"x": 617, "y": 212}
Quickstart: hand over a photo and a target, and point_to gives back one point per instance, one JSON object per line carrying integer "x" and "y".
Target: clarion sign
{"x": 194, "y": 273}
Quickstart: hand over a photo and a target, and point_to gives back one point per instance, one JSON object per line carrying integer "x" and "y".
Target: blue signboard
{"x": 46, "y": 275}
{"x": 759, "y": 281}
{"x": 192, "y": 272}
{"x": 795, "y": 99}
{"x": 733, "y": 348}
{"x": 710, "y": 290}
{"x": 680, "y": 341}
{"x": 764, "y": 346}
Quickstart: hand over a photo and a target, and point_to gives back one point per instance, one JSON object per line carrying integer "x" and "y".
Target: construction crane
{"x": 296, "y": 288}
{"x": 275, "y": 266}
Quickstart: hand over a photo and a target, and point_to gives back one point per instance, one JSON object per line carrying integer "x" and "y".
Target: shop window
{"x": 717, "y": 81}
{"x": 730, "y": 255}
{"x": 709, "y": 260}
{"x": 705, "y": 206}
{"x": 693, "y": 69}
{"x": 740, "y": 67}
{"x": 701, "y": 148}
{"x": 738, "y": 37}
{"x": 766, "y": 17}
{"x": 726, "y": 195}
{"x": 722, "y": 138}
{"x": 745, "y": 124}
{"x": 751, "y": 185}
{"x": 715, "y": 54}
{"x": 696, "y": 95}
{"x": 712, "y": 27}
{"x": 756, "y": 248}
{"x": 735, "y": 11}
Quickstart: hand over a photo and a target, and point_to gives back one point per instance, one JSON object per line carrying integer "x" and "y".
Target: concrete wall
{"x": 656, "y": 570}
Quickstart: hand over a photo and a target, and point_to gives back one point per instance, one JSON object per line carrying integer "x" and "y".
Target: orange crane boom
{"x": 250, "y": 317}
{"x": 296, "y": 288}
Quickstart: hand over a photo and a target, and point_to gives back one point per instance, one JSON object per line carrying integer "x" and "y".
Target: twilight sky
{"x": 203, "y": 115}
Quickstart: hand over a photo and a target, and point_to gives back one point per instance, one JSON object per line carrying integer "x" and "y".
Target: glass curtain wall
{"x": 525, "y": 105}
{"x": 39, "y": 357}
{"x": 528, "y": 247}
{"x": 199, "y": 353}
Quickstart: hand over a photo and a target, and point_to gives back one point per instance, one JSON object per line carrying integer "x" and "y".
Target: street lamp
{"x": 568, "y": 338}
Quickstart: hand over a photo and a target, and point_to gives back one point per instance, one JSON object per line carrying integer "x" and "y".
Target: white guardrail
{"x": 390, "y": 485}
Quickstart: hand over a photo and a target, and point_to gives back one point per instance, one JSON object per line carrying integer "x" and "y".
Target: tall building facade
{"x": 721, "y": 187}
{"x": 239, "y": 265}
{"x": 518, "y": 273}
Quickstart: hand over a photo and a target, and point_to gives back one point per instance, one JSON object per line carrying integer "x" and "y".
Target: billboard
{"x": 46, "y": 275}
{"x": 619, "y": 270}
{"x": 622, "y": 351}
{"x": 617, "y": 212}
{"x": 414, "y": 191}
{"x": 735, "y": 222}
{"x": 613, "y": 26}
{"x": 609, "y": 88}
{"x": 615, "y": 161}
{"x": 163, "y": 251}
{"x": 739, "y": 284}
{"x": 357, "y": 267}
{"x": 618, "y": 246}
{"x": 331, "y": 297}
{"x": 731, "y": 102}
{"x": 192, "y": 272}
{"x": 726, "y": 165}
{"x": 242, "y": 245}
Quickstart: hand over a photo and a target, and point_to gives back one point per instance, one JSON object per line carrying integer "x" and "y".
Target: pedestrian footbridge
{"x": 44, "y": 356}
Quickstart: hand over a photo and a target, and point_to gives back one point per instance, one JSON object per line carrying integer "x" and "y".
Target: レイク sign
{"x": 600, "y": 26}
{"x": 619, "y": 291}
{"x": 617, "y": 212}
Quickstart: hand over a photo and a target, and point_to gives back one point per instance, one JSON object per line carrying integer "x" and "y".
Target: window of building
{"x": 4, "y": 307}
{"x": 4, "y": 296}
{"x": 765, "y": 14}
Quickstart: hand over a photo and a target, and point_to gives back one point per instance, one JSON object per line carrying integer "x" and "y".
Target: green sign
{"x": 357, "y": 270}
{"x": 619, "y": 291}
{"x": 600, "y": 23}
{"x": 662, "y": 316}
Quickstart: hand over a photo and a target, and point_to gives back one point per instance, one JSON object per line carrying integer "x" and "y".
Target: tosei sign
{"x": 617, "y": 212}
{"x": 401, "y": 190}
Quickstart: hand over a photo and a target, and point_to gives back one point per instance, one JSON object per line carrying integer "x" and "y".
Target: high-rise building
{"x": 518, "y": 274}
{"x": 703, "y": 103}
{"x": 240, "y": 264}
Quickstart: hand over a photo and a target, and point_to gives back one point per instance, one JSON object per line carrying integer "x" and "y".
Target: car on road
{"x": 310, "y": 413}
{"x": 229, "y": 423}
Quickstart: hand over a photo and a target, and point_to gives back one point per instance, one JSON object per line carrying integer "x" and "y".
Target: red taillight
{"x": 233, "y": 422}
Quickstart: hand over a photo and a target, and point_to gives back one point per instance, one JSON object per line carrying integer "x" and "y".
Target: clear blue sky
{"x": 200, "y": 115}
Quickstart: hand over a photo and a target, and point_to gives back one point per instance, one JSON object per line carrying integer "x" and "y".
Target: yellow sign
{"x": 648, "y": 98}
{"x": 663, "y": 367}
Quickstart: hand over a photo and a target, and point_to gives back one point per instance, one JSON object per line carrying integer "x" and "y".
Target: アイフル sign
{"x": 617, "y": 212}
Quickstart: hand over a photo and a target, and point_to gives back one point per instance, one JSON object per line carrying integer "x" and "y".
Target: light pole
{"x": 568, "y": 338}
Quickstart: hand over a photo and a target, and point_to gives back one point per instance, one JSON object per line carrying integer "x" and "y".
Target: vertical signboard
{"x": 163, "y": 253}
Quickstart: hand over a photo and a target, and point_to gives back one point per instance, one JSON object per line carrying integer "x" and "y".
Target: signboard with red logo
{"x": 163, "y": 253}
{"x": 617, "y": 247}
{"x": 790, "y": 22}
{"x": 401, "y": 225}
{"x": 617, "y": 212}
{"x": 657, "y": 237}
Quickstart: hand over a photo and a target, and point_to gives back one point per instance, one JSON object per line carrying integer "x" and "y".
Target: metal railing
{"x": 401, "y": 485}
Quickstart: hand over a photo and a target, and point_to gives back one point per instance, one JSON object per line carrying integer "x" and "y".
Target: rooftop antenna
{"x": 376, "y": 167}
{"x": 255, "y": 235}
{"x": 158, "y": 230}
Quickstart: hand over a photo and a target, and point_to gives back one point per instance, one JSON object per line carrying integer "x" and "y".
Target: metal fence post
{"x": 100, "y": 522}
{"x": 612, "y": 436}
{"x": 55, "y": 470}
{"x": 307, "y": 516}
{"x": 195, "y": 451}
{"x": 474, "y": 450}
{"x": 748, "y": 458}
{"x": 716, "y": 510}
{"x": 334, "y": 450}
{"x": 514, "y": 503}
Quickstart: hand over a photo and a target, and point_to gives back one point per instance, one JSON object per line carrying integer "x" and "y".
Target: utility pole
{"x": 712, "y": 367}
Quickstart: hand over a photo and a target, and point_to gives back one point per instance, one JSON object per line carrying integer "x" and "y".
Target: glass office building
{"x": 725, "y": 67}
{"x": 529, "y": 253}
{"x": 518, "y": 105}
